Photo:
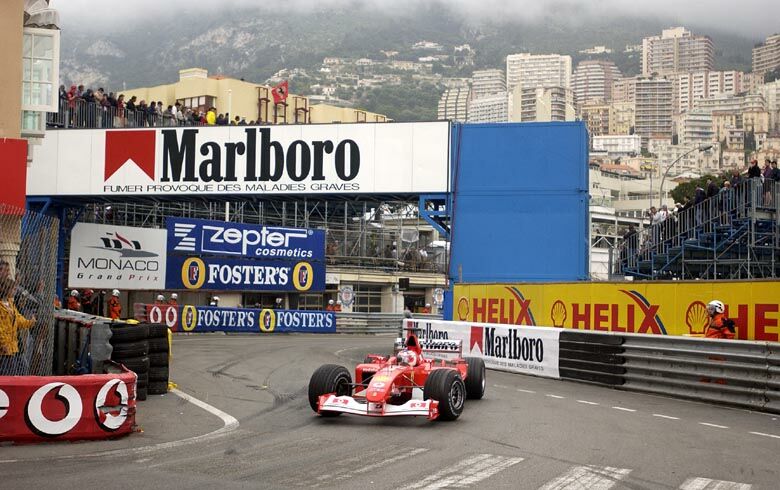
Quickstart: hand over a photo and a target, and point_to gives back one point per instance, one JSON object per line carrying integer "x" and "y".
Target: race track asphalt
{"x": 526, "y": 433}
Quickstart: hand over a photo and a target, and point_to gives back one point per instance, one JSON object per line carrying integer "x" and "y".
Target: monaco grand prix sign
{"x": 246, "y": 160}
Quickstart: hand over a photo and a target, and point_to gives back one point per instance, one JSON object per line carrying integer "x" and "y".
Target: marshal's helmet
{"x": 74, "y": 293}
{"x": 715, "y": 306}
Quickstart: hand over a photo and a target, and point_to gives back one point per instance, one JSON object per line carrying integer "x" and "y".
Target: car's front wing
{"x": 348, "y": 404}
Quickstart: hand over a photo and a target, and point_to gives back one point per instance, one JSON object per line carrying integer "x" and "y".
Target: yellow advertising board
{"x": 661, "y": 308}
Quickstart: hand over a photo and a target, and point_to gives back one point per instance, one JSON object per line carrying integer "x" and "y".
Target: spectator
{"x": 712, "y": 188}
{"x": 80, "y": 91}
{"x": 736, "y": 178}
{"x": 211, "y": 116}
{"x": 221, "y": 120}
{"x": 169, "y": 117}
{"x": 242, "y": 122}
{"x": 119, "y": 120}
{"x": 753, "y": 170}
{"x": 767, "y": 176}
{"x": 11, "y": 321}
{"x": 698, "y": 202}
{"x": 726, "y": 197}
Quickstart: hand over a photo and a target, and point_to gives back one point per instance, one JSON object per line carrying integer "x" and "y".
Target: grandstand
{"x": 733, "y": 235}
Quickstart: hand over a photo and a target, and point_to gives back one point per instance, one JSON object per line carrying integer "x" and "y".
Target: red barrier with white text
{"x": 67, "y": 408}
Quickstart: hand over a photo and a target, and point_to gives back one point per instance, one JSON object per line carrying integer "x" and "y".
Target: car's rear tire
{"x": 329, "y": 378}
{"x": 475, "y": 378}
{"x": 446, "y": 387}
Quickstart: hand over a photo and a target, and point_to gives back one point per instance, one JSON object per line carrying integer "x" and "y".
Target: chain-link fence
{"x": 28, "y": 268}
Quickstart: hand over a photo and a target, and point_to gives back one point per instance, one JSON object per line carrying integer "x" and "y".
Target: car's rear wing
{"x": 436, "y": 348}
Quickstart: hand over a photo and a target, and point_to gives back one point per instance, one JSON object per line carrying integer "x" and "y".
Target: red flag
{"x": 280, "y": 92}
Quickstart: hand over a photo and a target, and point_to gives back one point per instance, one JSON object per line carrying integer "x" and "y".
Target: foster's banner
{"x": 249, "y": 160}
{"x": 658, "y": 308}
{"x": 190, "y": 318}
{"x": 518, "y": 349}
{"x": 197, "y": 236}
{"x": 122, "y": 257}
{"x": 216, "y": 273}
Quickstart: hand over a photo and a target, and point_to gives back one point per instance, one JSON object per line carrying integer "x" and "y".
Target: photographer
{"x": 720, "y": 327}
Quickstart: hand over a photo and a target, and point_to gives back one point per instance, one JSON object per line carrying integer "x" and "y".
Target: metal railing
{"x": 734, "y": 234}
{"x": 84, "y": 114}
{"x": 731, "y": 372}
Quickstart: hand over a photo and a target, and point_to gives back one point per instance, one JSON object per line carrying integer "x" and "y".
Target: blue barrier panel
{"x": 221, "y": 274}
{"x": 245, "y": 320}
{"x": 207, "y": 237}
{"x": 520, "y": 202}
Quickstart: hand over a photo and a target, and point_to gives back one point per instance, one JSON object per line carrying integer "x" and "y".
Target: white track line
{"x": 713, "y": 425}
{"x": 765, "y": 435}
{"x": 624, "y": 409}
{"x": 707, "y": 484}
{"x": 558, "y": 397}
{"x": 466, "y": 472}
{"x": 665, "y": 416}
{"x": 229, "y": 425}
{"x": 525, "y": 391}
{"x": 588, "y": 478}
{"x": 407, "y": 453}
{"x": 586, "y": 402}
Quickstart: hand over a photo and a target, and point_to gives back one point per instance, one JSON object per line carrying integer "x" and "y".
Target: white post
{"x": 230, "y": 106}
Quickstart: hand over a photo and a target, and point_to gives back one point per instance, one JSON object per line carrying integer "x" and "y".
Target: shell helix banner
{"x": 656, "y": 308}
{"x": 189, "y": 318}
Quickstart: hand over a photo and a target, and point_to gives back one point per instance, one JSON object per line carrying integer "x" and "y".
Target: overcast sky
{"x": 753, "y": 18}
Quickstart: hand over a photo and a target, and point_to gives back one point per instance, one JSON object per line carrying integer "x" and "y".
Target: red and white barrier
{"x": 57, "y": 408}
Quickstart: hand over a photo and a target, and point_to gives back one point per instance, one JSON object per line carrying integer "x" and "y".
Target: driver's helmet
{"x": 407, "y": 358}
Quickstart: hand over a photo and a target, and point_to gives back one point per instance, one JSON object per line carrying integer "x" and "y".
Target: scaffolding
{"x": 732, "y": 235}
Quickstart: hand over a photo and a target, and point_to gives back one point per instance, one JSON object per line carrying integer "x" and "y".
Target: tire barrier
{"x": 81, "y": 343}
{"x": 67, "y": 408}
{"x": 730, "y": 372}
{"x": 143, "y": 349}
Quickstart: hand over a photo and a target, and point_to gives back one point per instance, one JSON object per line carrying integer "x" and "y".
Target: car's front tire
{"x": 475, "y": 378}
{"x": 447, "y": 387}
{"x": 329, "y": 378}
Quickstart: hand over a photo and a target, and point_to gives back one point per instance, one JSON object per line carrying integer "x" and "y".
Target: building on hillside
{"x": 676, "y": 50}
{"x": 771, "y": 94}
{"x": 489, "y": 109}
{"x": 624, "y": 89}
{"x": 324, "y": 113}
{"x": 593, "y": 80}
{"x": 687, "y": 158}
{"x": 621, "y": 118}
{"x": 454, "y": 104}
{"x": 653, "y": 107}
{"x": 595, "y": 113}
{"x": 542, "y": 104}
{"x": 692, "y": 87}
{"x": 485, "y": 83}
{"x": 696, "y": 128}
{"x": 617, "y": 145}
{"x": 538, "y": 70}
{"x": 251, "y": 101}
{"x": 766, "y": 56}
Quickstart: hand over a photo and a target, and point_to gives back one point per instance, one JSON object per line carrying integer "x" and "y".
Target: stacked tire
{"x": 131, "y": 348}
{"x": 158, "y": 359}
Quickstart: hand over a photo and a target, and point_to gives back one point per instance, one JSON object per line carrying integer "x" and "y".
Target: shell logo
{"x": 463, "y": 309}
{"x": 558, "y": 314}
{"x": 696, "y": 318}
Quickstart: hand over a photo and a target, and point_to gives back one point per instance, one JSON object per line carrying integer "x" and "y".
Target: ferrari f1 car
{"x": 406, "y": 383}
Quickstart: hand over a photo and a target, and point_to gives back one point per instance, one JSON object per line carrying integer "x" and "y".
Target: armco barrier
{"x": 57, "y": 408}
{"x": 731, "y": 372}
{"x": 374, "y": 323}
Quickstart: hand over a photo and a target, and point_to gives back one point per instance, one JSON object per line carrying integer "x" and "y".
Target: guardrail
{"x": 737, "y": 373}
{"x": 375, "y": 323}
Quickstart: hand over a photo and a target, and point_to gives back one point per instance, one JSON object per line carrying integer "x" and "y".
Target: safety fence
{"x": 83, "y": 114}
{"x": 730, "y": 372}
{"x": 28, "y": 269}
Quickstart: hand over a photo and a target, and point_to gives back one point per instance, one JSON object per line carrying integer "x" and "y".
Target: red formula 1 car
{"x": 406, "y": 383}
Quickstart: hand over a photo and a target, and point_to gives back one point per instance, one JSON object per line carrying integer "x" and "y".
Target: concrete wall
{"x": 11, "y": 26}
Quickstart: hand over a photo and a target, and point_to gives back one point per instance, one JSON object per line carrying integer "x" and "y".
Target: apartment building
{"x": 695, "y": 86}
{"x": 653, "y": 107}
{"x": 771, "y": 95}
{"x": 485, "y": 83}
{"x": 696, "y": 128}
{"x": 624, "y": 89}
{"x": 542, "y": 104}
{"x": 621, "y": 118}
{"x": 616, "y": 145}
{"x": 593, "y": 80}
{"x": 676, "y": 50}
{"x": 766, "y": 56}
{"x": 489, "y": 109}
{"x": 596, "y": 116}
{"x": 538, "y": 70}
{"x": 454, "y": 104}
